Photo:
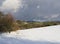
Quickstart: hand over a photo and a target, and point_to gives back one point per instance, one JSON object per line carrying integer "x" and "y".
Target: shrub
{"x": 7, "y": 23}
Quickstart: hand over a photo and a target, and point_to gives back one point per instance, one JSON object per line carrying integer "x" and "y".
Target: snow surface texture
{"x": 45, "y": 35}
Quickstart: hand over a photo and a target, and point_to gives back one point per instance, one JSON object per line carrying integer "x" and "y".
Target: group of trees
{"x": 7, "y": 23}
{"x": 33, "y": 24}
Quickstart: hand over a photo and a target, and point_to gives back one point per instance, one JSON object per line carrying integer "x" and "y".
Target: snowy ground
{"x": 45, "y": 35}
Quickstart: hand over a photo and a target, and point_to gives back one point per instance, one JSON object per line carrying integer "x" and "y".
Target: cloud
{"x": 55, "y": 16}
{"x": 33, "y": 9}
{"x": 10, "y": 5}
{"x": 38, "y": 9}
{"x": 52, "y": 16}
{"x": 38, "y": 6}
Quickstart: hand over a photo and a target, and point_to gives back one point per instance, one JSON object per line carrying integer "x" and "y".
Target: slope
{"x": 45, "y": 35}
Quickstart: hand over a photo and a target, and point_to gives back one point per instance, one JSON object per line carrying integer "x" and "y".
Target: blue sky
{"x": 40, "y": 10}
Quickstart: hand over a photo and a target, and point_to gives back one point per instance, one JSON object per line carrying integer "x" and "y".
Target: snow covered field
{"x": 45, "y": 35}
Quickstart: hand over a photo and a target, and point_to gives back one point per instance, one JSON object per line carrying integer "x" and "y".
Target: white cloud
{"x": 38, "y": 6}
{"x": 11, "y": 5}
{"x": 55, "y": 15}
{"x": 52, "y": 16}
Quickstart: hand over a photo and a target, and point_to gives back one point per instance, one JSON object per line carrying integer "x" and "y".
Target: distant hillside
{"x": 35, "y": 24}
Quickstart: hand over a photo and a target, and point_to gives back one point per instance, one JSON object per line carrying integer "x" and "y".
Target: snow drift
{"x": 45, "y": 35}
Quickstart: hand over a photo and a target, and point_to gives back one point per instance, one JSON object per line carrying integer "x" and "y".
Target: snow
{"x": 45, "y": 35}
